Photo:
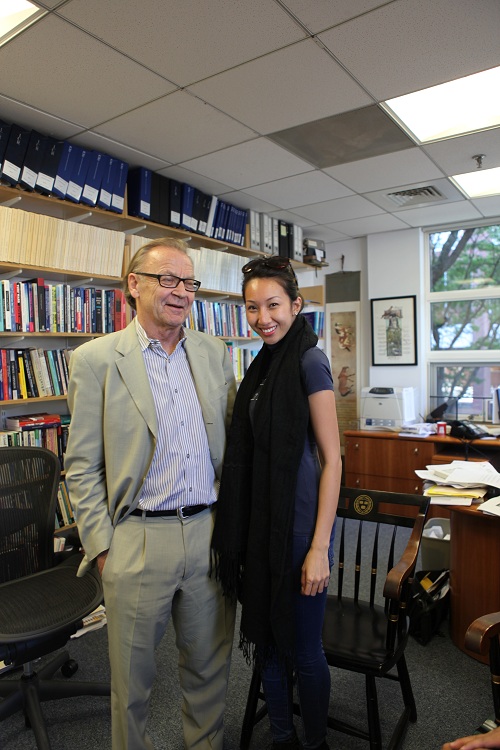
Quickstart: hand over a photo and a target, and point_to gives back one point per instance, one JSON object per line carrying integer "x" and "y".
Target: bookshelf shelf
{"x": 37, "y": 399}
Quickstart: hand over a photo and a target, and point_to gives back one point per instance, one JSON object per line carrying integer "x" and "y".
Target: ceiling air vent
{"x": 416, "y": 196}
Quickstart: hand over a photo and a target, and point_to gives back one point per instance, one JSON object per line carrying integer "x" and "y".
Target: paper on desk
{"x": 463, "y": 473}
{"x": 491, "y": 506}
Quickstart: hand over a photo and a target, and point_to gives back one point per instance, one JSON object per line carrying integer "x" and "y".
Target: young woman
{"x": 277, "y": 503}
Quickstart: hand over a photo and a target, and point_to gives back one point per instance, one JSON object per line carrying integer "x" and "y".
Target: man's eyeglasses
{"x": 277, "y": 262}
{"x": 171, "y": 282}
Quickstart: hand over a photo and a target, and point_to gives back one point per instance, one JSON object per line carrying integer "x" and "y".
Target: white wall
{"x": 391, "y": 265}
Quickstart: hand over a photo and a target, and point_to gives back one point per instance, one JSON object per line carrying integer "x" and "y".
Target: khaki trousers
{"x": 157, "y": 568}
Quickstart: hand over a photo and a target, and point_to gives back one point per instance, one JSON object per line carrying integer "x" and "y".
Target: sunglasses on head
{"x": 277, "y": 262}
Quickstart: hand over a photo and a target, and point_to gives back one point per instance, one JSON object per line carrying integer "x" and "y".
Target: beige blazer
{"x": 113, "y": 428}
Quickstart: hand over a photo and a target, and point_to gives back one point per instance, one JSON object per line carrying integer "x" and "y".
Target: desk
{"x": 474, "y": 569}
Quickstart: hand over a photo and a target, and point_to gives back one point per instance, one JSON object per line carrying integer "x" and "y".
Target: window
{"x": 464, "y": 319}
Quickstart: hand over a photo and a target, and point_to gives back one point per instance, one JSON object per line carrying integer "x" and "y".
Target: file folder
{"x": 93, "y": 180}
{"x": 64, "y": 170}
{"x": 78, "y": 175}
{"x": 119, "y": 186}
{"x": 4, "y": 137}
{"x": 48, "y": 169}
{"x": 15, "y": 152}
{"x": 32, "y": 160}
{"x": 106, "y": 189}
{"x": 139, "y": 192}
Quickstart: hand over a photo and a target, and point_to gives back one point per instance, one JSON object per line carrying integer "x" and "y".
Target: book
{"x": 48, "y": 168}
{"x": 31, "y": 421}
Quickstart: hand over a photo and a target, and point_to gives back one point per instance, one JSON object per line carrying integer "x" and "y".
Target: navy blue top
{"x": 317, "y": 376}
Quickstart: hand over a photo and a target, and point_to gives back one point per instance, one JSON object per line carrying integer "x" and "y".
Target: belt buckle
{"x": 180, "y": 512}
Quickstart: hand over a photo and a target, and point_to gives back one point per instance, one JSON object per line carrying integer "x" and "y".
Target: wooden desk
{"x": 474, "y": 569}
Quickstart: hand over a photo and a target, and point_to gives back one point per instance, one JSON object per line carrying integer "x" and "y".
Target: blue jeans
{"x": 311, "y": 668}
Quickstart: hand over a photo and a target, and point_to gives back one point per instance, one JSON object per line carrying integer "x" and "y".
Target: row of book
{"x": 65, "y": 514}
{"x": 34, "y": 306}
{"x": 33, "y": 373}
{"x": 275, "y": 236}
{"x": 241, "y": 358}
{"x": 219, "y": 319}
{"x": 167, "y": 201}
{"x": 42, "y": 430}
{"x": 317, "y": 320}
{"x": 39, "y": 240}
{"x": 217, "y": 271}
{"x": 38, "y": 162}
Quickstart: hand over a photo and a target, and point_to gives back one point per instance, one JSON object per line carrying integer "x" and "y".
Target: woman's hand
{"x": 315, "y": 572}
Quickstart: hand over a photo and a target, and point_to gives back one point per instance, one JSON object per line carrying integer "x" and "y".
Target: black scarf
{"x": 252, "y": 540}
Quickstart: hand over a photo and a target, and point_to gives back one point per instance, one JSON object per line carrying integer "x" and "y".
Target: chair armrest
{"x": 406, "y": 565}
{"x": 481, "y": 631}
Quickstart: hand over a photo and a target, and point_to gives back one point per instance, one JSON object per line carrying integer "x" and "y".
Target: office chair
{"x": 483, "y": 637}
{"x": 365, "y": 628}
{"x": 41, "y": 603}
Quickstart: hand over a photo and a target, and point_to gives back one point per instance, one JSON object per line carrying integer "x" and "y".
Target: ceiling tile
{"x": 61, "y": 70}
{"x": 244, "y": 199}
{"x": 459, "y": 211}
{"x": 193, "y": 178}
{"x": 324, "y": 233}
{"x": 386, "y": 171}
{"x": 406, "y": 46}
{"x": 278, "y": 92}
{"x": 454, "y": 156}
{"x": 344, "y": 208}
{"x": 384, "y": 199}
{"x": 179, "y": 127}
{"x": 343, "y": 138}
{"x": 190, "y": 40}
{"x": 133, "y": 157}
{"x": 370, "y": 225}
{"x": 321, "y": 14}
{"x": 31, "y": 118}
{"x": 292, "y": 191}
{"x": 247, "y": 164}
{"x": 489, "y": 207}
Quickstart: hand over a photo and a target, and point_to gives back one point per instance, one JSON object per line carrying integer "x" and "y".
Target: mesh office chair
{"x": 366, "y": 628}
{"x": 41, "y": 603}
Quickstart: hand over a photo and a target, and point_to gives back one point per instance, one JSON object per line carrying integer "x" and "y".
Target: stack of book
{"x": 33, "y": 373}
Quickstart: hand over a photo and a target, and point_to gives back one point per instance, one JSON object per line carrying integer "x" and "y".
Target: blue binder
{"x": 119, "y": 186}
{"x": 93, "y": 180}
{"x": 64, "y": 169}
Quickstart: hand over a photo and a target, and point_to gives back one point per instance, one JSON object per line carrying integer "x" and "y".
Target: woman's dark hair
{"x": 275, "y": 267}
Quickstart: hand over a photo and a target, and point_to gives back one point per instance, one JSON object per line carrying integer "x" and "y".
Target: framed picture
{"x": 394, "y": 331}
{"x": 342, "y": 329}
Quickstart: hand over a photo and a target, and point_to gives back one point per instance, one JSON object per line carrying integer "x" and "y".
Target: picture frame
{"x": 394, "y": 331}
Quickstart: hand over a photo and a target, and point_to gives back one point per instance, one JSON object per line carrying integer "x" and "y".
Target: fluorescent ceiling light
{"x": 16, "y": 15}
{"x": 454, "y": 108}
{"x": 478, "y": 184}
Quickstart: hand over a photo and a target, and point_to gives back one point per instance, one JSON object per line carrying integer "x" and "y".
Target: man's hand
{"x": 101, "y": 561}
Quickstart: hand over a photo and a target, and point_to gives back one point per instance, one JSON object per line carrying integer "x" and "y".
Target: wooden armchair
{"x": 483, "y": 637}
{"x": 366, "y": 626}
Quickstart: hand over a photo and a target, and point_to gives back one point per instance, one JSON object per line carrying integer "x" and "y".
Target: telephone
{"x": 467, "y": 430}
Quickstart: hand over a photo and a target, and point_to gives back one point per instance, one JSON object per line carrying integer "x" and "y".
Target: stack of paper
{"x": 459, "y": 482}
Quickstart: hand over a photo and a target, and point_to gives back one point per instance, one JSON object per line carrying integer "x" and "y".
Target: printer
{"x": 387, "y": 408}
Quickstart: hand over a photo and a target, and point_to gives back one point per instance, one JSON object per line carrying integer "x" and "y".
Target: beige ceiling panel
{"x": 189, "y": 40}
{"x": 176, "y": 128}
{"x": 250, "y": 163}
{"x": 406, "y": 45}
{"x": 321, "y": 14}
{"x": 300, "y": 190}
{"x": 278, "y": 92}
{"x": 59, "y": 69}
{"x": 351, "y": 207}
{"x": 386, "y": 171}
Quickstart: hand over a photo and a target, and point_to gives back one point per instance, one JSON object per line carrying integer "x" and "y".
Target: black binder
{"x": 32, "y": 160}
{"x": 175, "y": 196}
{"x": 4, "y": 137}
{"x": 139, "y": 192}
{"x": 14, "y": 154}
{"x": 48, "y": 168}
